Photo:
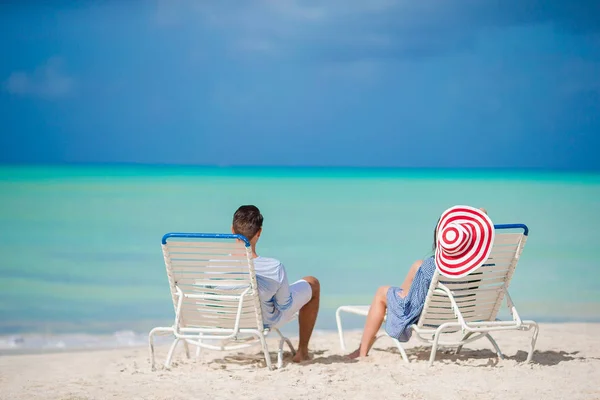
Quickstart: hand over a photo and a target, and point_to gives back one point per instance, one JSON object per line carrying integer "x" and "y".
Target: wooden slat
{"x": 215, "y": 258}
{"x": 481, "y": 273}
{"x": 476, "y": 277}
{"x": 480, "y": 317}
{"x": 483, "y": 314}
{"x": 208, "y": 256}
{"x": 488, "y": 273}
{"x": 223, "y": 320}
{"x": 219, "y": 301}
{"x": 473, "y": 302}
{"x": 503, "y": 249}
{"x": 191, "y": 310}
{"x": 440, "y": 321}
{"x": 479, "y": 285}
{"x": 200, "y": 244}
{"x": 447, "y": 312}
{"x": 204, "y": 250}
{"x": 218, "y": 278}
{"x": 480, "y": 308}
{"x": 211, "y": 293}
{"x": 246, "y": 323}
{"x": 226, "y": 284}
{"x": 464, "y": 299}
{"x": 185, "y": 276}
{"x": 496, "y": 260}
{"x": 188, "y": 272}
{"x": 217, "y": 313}
{"x": 189, "y": 289}
{"x": 215, "y": 305}
{"x": 496, "y": 264}
{"x": 210, "y": 261}
{"x": 476, "y": 280}
{"x": 199, "y": 269}
{"x": 211, "y": 320}
{"x": 507, "y": 238}
{"x": 233, "y": 263}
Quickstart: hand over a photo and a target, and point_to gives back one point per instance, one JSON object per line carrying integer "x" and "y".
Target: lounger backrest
{"x": 478, "y": 295}
{"x": 212, "y": 271}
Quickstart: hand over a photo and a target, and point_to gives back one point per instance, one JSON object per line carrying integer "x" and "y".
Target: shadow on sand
{"x": 244, "y": 359}
{"x": 546, "y": 358}
{"x": 415, "y": 354}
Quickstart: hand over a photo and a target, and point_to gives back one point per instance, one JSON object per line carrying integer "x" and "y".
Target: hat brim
{"x": 482, "y": 229}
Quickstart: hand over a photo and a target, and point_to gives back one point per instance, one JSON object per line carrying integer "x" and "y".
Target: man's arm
{"x": 283, "y": 297}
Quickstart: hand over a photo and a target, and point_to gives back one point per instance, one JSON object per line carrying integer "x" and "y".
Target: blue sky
{"x": 433, "y": 83}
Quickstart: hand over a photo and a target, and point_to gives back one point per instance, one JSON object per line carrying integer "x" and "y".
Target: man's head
{"x": 248, "y": 221}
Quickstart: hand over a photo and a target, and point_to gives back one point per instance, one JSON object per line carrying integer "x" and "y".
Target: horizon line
{"x": 283, "y": 166}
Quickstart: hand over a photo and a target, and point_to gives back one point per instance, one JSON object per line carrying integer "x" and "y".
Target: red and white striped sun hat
{"x": 464, "y": 239}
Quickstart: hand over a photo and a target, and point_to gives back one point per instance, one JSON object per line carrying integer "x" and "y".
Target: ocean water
{"x": 81, "y": 251}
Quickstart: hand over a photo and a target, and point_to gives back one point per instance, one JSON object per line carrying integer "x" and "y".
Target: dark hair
{"x": 247, "y": 221}
{"x": 435, "y": 235}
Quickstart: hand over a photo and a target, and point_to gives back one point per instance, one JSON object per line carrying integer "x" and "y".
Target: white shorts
{"x": 301, "y": 294}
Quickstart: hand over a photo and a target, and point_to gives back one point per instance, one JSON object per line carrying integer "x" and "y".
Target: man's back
{"x": 273, "y": 289}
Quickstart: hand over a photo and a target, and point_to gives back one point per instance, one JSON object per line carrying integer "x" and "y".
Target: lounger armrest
{"x": 442, "y": 289}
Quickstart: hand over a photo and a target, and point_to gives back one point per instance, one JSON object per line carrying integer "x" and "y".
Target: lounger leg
{"x": 263, "y": 342}
{"x": 171, "y": 351}
{"x": 401, "y": 350}
{"x": 396, "y": 342}
{"x": 536, "y": 330}
{"x": 460, "y": 346}
{"x": 198, "y": 348}
{"x": 187, "y": 349}
{"x": 151, "y": 343}
{"x": 280, "y": 349}
{"x": 338, "y": 320}
{"x": 280, "y": 353}
{"x": 493, "y": 342}
{"x": 288, "y": 341}
{"x": 436, "y": 339}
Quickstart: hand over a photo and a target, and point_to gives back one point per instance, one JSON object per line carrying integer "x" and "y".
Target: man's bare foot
{"x": 301, "y": 355}
{"x": 355, "y": 354}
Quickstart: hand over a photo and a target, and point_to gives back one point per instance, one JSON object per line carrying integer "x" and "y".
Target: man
{"x": 279, "y": 300}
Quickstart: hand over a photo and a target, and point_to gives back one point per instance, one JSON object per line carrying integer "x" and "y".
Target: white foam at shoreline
{"x": 118, "y": 339}
{"x": 76, "y": 341}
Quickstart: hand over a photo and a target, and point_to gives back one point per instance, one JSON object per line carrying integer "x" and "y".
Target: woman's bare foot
{"x": 355, "y": 354}
{"x": 301, "y": 355}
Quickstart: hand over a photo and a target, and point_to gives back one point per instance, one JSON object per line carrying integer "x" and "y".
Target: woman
{"x": 465, "y": 236}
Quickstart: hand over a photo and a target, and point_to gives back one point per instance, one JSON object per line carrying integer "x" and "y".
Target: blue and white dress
{"x": 402, "y": 312}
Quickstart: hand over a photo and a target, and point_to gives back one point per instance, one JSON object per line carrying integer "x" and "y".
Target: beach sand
{"x": 566, "y": 365}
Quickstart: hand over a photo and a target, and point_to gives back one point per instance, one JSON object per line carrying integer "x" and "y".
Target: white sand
{"x": 566, "y": 366}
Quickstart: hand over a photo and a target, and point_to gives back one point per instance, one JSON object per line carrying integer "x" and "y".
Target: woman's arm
{"x": 410, "y": 277}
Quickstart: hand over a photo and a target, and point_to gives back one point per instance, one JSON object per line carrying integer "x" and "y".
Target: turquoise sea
{"x": 81, "y": 251}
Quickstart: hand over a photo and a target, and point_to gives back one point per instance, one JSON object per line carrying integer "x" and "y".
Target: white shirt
{"x": 273, "y": 289}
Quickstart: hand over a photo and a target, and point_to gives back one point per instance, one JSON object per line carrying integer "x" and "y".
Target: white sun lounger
{"x": 215, "y": 295}
{"x": 469, "y": 304}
